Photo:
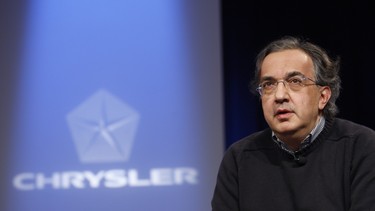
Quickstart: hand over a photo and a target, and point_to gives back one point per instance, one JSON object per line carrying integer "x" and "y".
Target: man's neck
{"x": 294, "y": 139}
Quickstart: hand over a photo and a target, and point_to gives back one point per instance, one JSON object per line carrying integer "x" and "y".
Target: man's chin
{"x": 284, "y": 128}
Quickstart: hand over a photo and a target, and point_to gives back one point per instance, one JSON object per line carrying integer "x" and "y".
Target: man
{"x": 307, "y": 159}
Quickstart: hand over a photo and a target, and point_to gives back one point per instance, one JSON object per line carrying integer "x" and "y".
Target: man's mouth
{"x": 282, "y": 114}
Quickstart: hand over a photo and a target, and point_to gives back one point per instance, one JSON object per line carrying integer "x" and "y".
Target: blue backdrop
{"x": 118, "y": 107}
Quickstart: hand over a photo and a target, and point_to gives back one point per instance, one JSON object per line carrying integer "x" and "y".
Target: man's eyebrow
{"x": 287, "y": 75}
{"x": 267, "y": 78}
{"x": 294, "y": 73}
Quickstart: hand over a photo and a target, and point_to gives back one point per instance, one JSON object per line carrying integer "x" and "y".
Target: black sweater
{"x": 338, "y": 173}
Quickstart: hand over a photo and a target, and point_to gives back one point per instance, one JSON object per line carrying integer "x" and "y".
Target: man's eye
{"x": 295, "y": 80}
{"x": 267, "y": 84}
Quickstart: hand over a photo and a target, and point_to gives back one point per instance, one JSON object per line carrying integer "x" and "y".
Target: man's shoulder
{"x": 358, "y": 135}
{"x": 344, "y": 127}
{"x": 255, "y": 141}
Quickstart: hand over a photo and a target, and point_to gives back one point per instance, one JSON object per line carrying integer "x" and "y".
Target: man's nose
{"x": 281, "y": 91}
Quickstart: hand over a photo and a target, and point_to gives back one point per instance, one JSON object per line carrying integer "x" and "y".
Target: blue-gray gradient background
{"x": 160, "y": 57}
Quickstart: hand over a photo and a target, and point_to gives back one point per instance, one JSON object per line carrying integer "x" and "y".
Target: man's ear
{"x": 325, "y": 95}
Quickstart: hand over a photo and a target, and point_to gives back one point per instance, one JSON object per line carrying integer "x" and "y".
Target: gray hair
{"x": 326, "y": 69}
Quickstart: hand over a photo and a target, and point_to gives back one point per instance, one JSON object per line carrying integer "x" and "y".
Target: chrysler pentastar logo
{"x": 103, "y": 128}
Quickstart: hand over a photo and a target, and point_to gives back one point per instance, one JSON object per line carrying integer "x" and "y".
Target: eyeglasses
{"x": 293, "y": 83}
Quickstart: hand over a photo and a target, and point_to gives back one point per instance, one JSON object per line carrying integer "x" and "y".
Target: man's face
{"x": 291, "y": 114}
